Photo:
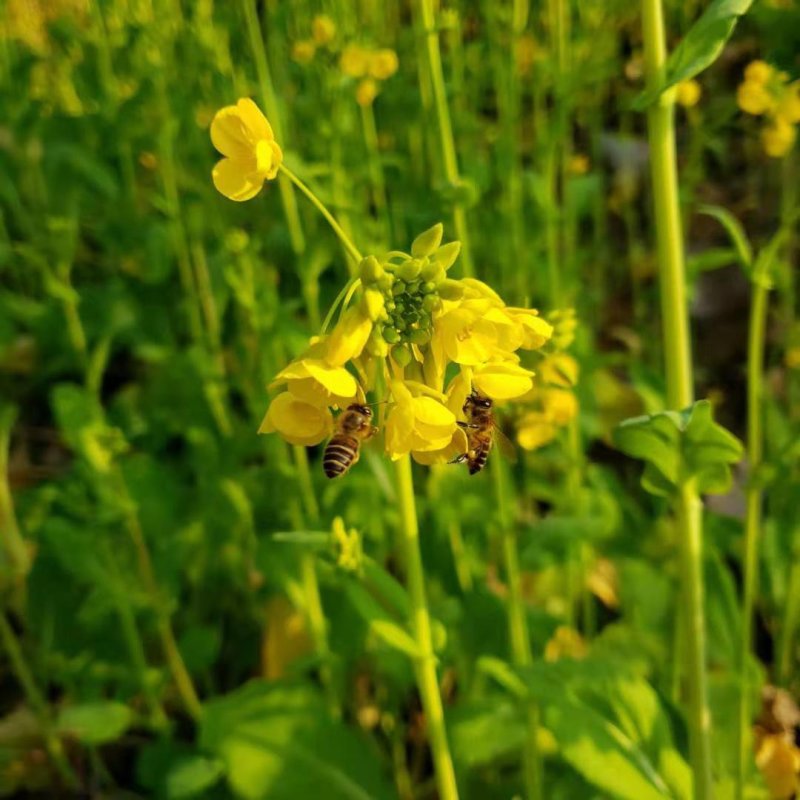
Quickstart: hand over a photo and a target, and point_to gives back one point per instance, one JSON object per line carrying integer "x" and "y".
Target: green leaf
{"x": 735, "y": 232}
{"x": 679, "y": 446}
{"x": 193, "y": 775}
{"x": 95, "y": 723}
{"x": 277, "y": 741}
{"x": 379, "y": 620}
{"x": 700, "y": 47}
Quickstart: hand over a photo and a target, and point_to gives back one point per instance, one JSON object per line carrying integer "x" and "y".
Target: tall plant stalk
{"x": 754, "y": 498}
{"x": 432, "y": 61}
{"x": 680, "y": 389}
{"x": 425, "y": 662}
{"x": 519, "y": 636}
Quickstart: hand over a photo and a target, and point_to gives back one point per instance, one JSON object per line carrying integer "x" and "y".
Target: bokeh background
{"x": 157, "y": 551}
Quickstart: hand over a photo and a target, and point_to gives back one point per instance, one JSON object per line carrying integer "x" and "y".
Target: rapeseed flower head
{"x": 370, "y": 67}
{"x": 405, "y": 328}
{"x": 323, "y": 29}
{"x": 767, "y": 92}
{"x": 688, "y": 93}
{"x": 243, "y": 135}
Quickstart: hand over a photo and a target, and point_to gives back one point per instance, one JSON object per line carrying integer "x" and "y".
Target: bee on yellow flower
{"x": 767, "y": 92}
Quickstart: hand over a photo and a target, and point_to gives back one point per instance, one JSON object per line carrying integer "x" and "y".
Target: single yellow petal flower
{"x": 243, "y": 135}
{"x": 420, "y": 424}
{"x": 323, "y": 29}
{"x": 502, "y": 381}
{"x": 297, "y": 422}
{"x": 349, "y": 337}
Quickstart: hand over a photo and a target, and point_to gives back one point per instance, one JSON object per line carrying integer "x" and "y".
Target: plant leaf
{"x": 95, "y": 723}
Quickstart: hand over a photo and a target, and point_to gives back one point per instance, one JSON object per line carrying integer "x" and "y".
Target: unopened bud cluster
{"x": 402, "y": 292}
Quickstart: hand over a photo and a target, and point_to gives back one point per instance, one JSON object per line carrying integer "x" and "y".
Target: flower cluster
{"x": 767, "y": 92}
{"x": 370, "y": 67}
{"x": 323, "y": 32}
{"x": 424, "y": 339}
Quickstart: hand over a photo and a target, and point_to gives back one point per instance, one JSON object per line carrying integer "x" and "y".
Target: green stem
{"x": 317, "y": 203}
{"x": 680, "y": 390}
{"x": 518, "y": 626}
{"x": 754, "y": 497}
{"x": 425, "y": 663}
{"x": 432, "y": 59}
{"x": 10, "y": 535}
{"x": 37, "y": 703}
{"x": 270, "y": 102}
{"x": 791, "y": 621}
{"x": 374, "y": 163}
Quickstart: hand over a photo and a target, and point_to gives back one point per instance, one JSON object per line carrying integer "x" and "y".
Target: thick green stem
{"x": 680, "y": 390}
{"x": 752, "y": 530}
{"x": 519, "y": 635}
{"x": 425, "y": 663}
{"x": 432, "y": 59}
{"x": 37, "y": 702}
{"x": 11, "y": 539}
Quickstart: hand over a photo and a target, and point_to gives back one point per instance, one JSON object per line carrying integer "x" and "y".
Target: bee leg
{"x": 459, "y": 459}
{"x": 372, "y": 432}
{"x": 469, "y": 425}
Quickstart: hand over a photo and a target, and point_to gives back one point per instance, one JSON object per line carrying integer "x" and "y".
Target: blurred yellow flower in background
{"x": 354, "y": 61}
{"x": 766, "y": 91}
{"x": 243, "y": 135}
{"x": 366, "y": 92}
{"x": 382, "y": 64}
{"x": 323, "y": 29}
{"x": 688, "y": 93}
{"x": 303, "y": 51}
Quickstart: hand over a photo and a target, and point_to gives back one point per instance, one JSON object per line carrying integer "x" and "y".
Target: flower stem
{"x": 752, "y": 529}
{"x": 680, "y": 390}
{"x": 425, "y": 664}
{"x": 37, "y": 702}
{"x": 317, "y": 203}
{"x": 11, "y": 540}
{"x": 518, "y": 626}
{"x": 432, "y": 59}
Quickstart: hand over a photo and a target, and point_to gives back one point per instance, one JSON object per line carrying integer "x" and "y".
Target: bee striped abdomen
{"x": 340, "y": 454}
{"x": 480, "y": 456}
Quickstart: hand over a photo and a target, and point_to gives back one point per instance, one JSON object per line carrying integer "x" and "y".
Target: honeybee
{"x": 482, "y": 432}
{"x": 353, "y": 426}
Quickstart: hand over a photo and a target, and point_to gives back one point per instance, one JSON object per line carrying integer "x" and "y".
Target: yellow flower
{"x": 778, "y": 760}
{"x": 687, "y": 93}
{"x": 349, "y": 337}
{"x": 578, "y": 164}
{"x": 535, "y": 430}
{"x": 535, "y": 330}
{"x": 303, "y": 51}
{"x": 366, "y": 92}
{"x": 502, "y": 380}
{"x": 778, "y": 137}
{"x": 464, "y": 334}
{"x": 758, "y": 72}
{"x": 754, "y": 98}
{"x": 559, "y": 369}
{"x": 789, "y": 104}
{"x": 354, "y": 61}
{"x": 566, "y": 642}
{"x": 792, "y": 357}
{"x": 296, "y": 421}
{"x": 382, "y": 64}
{"x": 323, "y": 29}
{"x": 417, "y": 424}
{"x": 560, "y": 405}
{"x": 243, "y": 135}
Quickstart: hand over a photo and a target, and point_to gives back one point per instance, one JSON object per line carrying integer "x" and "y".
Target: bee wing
{"x": 505, "y": 445}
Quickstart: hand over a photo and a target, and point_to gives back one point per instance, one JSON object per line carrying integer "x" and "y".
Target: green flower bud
{"x": 446, "y": 255}
{"x": 370, "y": 271}
{"x": 399, "y": 323}
{"x": 427, "y": 242}
{"x": 409, "y": 270}
{"x": 402, "y": 355}
{"x": 420, "y": 336}
{"x": 237, "y": 240}
{"x": 428, "y": 287}
{"x": 398, "y": 288}
{"x": 385, "y": 282}
{"x": 451, "y": 290}
{"x": 411, "y": 317}
{"x": 390, "y": 334}
{"x": 390, "y": 305}
{"x": 431, "y": 302}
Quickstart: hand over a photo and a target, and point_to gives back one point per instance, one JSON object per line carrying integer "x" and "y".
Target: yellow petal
{"x": 254, "y": 121}
{"x": 348, "y": 337}
{"x": 502, "y": 381}
{"x": 229, "y": 134}
{"x": 560, "y": 405}
{"x": 431, "y": 412}
{"x": 297, "y": 422}
{"x": 337, "y": 380}
{"x": 535, "y": 431}
{"x": 234, "y": 180}
{"x": 559, "y": 370}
